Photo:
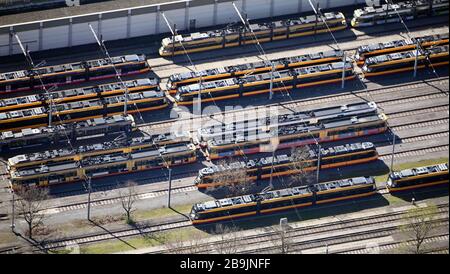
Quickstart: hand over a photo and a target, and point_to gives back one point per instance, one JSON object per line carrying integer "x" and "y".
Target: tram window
{"x": 54, "y": 79}
{"x": 78, "y": 76}
{"x": 154, "y": 162}
{"x": 244, "y": 209}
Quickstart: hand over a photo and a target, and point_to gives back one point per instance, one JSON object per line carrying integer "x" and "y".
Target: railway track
{"x": 247, "y": 50}
{"x": 270, "y": 48}
{"x": 114, "y": 235}
{"x": 185, "y": 188}
{"x": 385, "y": 229}
{"x": 158, "y": 193}
{"x": 294, "y": 104}
{"x": 118, "y": 234}
{"x": 376, "y": 225}
{"x": 191, "y": 187}
{"x": 438, "y": 106}
{"x": 387, "y": 247}
{"x": 127, "y": 233}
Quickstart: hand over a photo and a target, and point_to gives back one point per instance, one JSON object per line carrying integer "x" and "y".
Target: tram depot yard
{"x": 318, "y": 124}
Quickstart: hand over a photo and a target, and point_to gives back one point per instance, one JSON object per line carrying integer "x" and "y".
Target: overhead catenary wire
{"x": 29, "y": 59}
{"x": 408, "y": 33}
{"x": 344, "y": 62}
{"x": 268, "y": 62}
{"x": 418, "y": 46}
{"x": 103, "y": 48}
{"x": 200, "y": 83}
{"x": 364, "y": 86}
{"x": 260, "y": 49}
{"x": 319, "y": 13}
{"x": 174, "y": 33}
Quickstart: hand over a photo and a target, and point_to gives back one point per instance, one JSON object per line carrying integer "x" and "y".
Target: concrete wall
{"x": 147, "y": 20}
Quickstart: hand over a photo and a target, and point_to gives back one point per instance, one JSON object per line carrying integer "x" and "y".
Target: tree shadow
{"x": 432, "y": 85}
{"x": 178, "y": 212}
{"x": 32, "y": 242}
{"x": 111, "y": 233}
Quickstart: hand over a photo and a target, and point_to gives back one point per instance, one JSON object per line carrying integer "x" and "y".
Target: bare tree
{"x": 29, "y": 206}
{"x": 419, "y": 224}
{"x": 234, "y": 179}
{"x": 177, "y": 244}
{"x": 128, "y": 198}
{"x": 301, "y": 165}
{"x": 229, "y": 240}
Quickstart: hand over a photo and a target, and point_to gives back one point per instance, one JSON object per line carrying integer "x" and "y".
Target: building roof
{"x": 76, "y": 10}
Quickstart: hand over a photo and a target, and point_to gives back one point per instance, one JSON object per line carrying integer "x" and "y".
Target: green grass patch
{"x": 139, "y": 242}
{"x": 384, "y": 177}
{"x": 140, "y": 215}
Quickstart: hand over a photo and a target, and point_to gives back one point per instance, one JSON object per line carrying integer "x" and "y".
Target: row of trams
{"x": 212, "y": 85}
{"x": 93, "y": 112}
{"x": 219, "y": 141}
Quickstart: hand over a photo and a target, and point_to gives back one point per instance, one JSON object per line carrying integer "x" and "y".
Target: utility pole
{"x": 271, "y": 81}
{"x": 417, "y": 58}
{"x": 318, "y": 162}
{"x": 317, "y": 19}
{"x": 27, "y": 55}
{"x": 13, "y": 215}
{"x": 102, "y": 46}
{"x": 393, "y": 151}
{"x": 344, "y": 60}
{"x": 271, "y": 169}
{"x": 174, "y": 32}
{"x": 246, "y": 24}
{"x": 315, "y": 9}
{"x": 173, "y": 40}
{"x": 170, "y": 185}
{"x": 199, "y": 98}
{"x": 89, "y": 199}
